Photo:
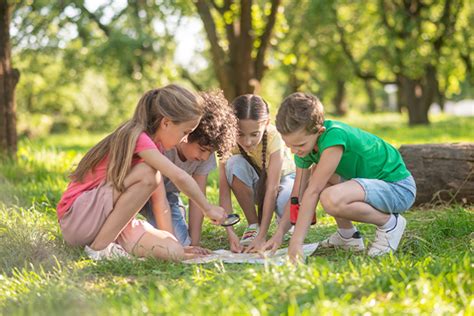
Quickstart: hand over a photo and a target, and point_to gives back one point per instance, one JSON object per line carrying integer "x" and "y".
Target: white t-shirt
{"x": 191, "y": 167}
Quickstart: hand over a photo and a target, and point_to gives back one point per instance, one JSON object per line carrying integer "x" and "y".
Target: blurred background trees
{"x": 84, "y": 64}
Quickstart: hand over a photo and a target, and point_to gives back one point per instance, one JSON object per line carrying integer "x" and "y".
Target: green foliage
{"x": 84, "y": 67}
{"x": 79, "y": 67}
{"x": 430, "y": 274}
{"x": 405, "y": 37}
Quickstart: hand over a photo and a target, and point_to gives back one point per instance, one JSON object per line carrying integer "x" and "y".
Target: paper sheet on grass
{"x": 227, "y": 256}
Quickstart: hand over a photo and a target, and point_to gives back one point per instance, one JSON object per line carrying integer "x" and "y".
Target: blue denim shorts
{"x": 389, "y": 197}
{"x": 238, "y": 166}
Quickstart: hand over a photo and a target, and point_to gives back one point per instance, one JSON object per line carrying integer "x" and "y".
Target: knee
{"x": 331, "y": 202}
{"x": 235, "y": 165}
{"x": 149, "y": 178}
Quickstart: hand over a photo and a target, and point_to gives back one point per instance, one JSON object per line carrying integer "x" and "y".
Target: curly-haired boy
{"x": 216, "y": 132}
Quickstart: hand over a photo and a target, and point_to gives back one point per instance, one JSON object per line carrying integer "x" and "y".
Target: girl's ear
{"x": 322, "y": 130}
{"x": 165, "y": 122}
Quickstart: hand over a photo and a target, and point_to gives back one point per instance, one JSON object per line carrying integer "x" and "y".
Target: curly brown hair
{"x": 218, "y": 127}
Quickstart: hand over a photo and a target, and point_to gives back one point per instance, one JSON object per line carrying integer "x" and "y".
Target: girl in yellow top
{"x": 260, "y": 172}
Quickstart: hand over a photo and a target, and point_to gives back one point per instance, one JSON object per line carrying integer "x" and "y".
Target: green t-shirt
{"x": 364, "y": 155}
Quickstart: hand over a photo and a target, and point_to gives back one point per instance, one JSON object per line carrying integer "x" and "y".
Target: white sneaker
{"x": 249, "y": 235}
{"x": 355, "y": 243}
{"x": 112, "y": 251}
{"x": 387, "y": 241}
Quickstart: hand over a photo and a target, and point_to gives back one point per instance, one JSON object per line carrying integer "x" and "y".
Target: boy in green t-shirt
{"x": 356, "y": 176}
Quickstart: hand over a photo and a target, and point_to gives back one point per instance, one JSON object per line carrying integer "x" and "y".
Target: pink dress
{"x": 85, "y": 205}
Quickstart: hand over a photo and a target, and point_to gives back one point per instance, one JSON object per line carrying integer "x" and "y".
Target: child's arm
{"x": 226, "y": 202}
{"x": 271, "y": 191}
{"x": 300, "y": 184}
{"x": 184, "y": 182}
{"x": 195, "y": 215}
{"x": 324, "y": 170}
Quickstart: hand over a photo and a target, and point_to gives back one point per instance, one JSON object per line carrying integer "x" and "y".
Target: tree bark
{"x": 418, "y": 95}
{"x": 8, "y": 79}
{"x": 443, "y": 172}
{"x": 340, "y": 98}
{"x": 370, "y": 96}
{"x": 221, "y": 66}
{"x": 236, "y": 68}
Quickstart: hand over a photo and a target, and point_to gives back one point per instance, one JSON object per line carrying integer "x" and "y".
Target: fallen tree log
{"x": 443, "y": 172}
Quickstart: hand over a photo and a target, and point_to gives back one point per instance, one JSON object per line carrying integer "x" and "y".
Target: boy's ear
{"x": 322, "y": 130}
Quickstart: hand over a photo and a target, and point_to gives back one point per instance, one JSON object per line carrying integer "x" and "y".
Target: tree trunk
{"x": 8, "y": 80}
{"x": 238, "y": 69}
{"x": 370, "y": 96}
{"x": 340, "y": 98}
{"x": 418, "y": 95}
{"x": 443, "y": 172}
{"x": 441, "y": 96}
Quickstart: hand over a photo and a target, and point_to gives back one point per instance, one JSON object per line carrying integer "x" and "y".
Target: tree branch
{"x": 230, "y": 32}
{"x": 447, "y": 21}
{"x": 347, "y": 51}
{"x": 186, "y": 75}
{"x": 265, "y": 39}
{"x": 245, "y": 46}
{"x": 217, "y": 51}
{"x": 221, "y": 10}
{"x": 95, "y": 18}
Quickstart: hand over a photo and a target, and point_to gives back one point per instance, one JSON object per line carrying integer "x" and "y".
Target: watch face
{"x": 231, "y": 220}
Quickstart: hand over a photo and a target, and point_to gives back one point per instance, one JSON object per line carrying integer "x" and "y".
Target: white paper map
{"x": 226, "y": 256}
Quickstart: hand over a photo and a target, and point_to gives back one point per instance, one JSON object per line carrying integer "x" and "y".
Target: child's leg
{"x": 173, "y": 206}
{"x": 196, "y": 218}
{"x": 342, "y": 223}
{"x": 373, "y": 201}
{"x": 159, "y": 244}
{"x": 245, "y": 197}
{"x": 242, "y": 177}
{"x": 345, "y": 201}
{"x": 139, "y": 185}
{"x": 161, "y": 209}
{"x": 284, "y": 192}
{"x": 178, "y": 215}
{"x": 346, "y": 236}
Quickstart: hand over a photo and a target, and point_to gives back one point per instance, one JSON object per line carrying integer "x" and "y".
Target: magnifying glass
{"x": 231, "y": 220}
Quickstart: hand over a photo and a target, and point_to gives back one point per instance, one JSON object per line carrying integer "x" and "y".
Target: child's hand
{"x": 197, "y": 250}
{"x": 256, "y": 245}
{"x": 273, "y": 243}
{"x": 234, "y": 243}
{"x": 216, "y": 214}
{"x": 295, "y": 253}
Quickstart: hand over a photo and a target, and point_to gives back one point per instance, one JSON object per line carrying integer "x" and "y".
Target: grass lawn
{"x": 432, "y": 273}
